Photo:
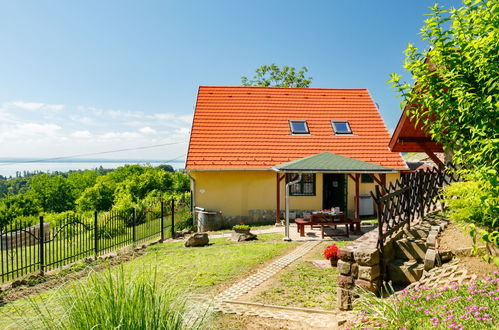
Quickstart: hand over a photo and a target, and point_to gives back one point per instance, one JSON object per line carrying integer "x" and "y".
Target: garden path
{"x": 226, "y": 301}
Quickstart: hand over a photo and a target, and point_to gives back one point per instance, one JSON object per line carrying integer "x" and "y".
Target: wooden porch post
{"x": 278, "y": 199}
{"x": 356, "y": 199}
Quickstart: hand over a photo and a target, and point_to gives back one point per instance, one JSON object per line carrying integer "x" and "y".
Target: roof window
{"x": 299, "y": 127}
{"x": 341, "y": 127}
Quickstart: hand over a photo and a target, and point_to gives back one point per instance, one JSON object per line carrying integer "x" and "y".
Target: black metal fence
{"x": 409, "y": 198}
{"x": 26, "y": 249}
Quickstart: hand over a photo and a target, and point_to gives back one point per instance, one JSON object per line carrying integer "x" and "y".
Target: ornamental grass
{"x": 474, "y": 305}
{"x": 114, "y": 301}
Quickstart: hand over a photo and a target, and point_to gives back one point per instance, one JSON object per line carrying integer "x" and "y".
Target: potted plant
{"x": 331, "y": 253}
{"x": 241, "y": 228}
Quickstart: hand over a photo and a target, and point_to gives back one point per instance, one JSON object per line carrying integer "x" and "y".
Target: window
{"x": 341, "y": 127}
{"x": 298, "y": 126}
{"x": 306, "y": 187}
{"x": 366, "y": 178}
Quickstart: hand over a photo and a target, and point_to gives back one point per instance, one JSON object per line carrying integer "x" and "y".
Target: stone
{"x": 435, "y": 228}
{"x": 242, "y": 236}
{"x": 344, "y": 299}
{"x": 369, "y": 273}
{"x": 430, "y": 259}
{"x": 410, "y": 249}
{"x": 371, "y": 286}
{"x": 367, "y": 257}
{"x": 345, "y": 254}
{"x": 344, "y": 267}
{"x": 404, "y": 272}
{"x": 355, "y": 270}
{"x": 345, "y": 282}
{"x": 200, "y": 239}
{"x": 431, "y": 241}
{"x": 446, "y": 256}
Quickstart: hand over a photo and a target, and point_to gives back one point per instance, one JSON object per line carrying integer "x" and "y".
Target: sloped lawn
{"x": 200, "y": 270}
{"x": 303, "y": 284}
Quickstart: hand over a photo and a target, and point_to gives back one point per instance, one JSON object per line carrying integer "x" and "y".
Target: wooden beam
{"x": 380, "y": 181}
{"x": 432, "y": 155}
{"x": 415, "y": 139}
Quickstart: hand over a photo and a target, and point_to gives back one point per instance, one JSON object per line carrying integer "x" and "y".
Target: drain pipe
{"x": 286, "y": 229}
{"x": 193, "y": 200}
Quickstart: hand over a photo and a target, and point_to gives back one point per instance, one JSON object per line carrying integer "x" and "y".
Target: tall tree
{"x": 456, "y": 97}
{"x": 273, "y": 76}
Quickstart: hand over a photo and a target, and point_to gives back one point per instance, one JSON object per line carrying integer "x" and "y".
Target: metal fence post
{"x": 96, "y": 235}
{"x": 41, "y": 243}
{"x": 133, "y": 223}
{"x": 173, "y": 217}
{"x": 162, "y": 221}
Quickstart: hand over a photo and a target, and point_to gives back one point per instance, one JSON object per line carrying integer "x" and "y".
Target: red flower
{"x": 241, "y": 223}
{"x": 331, "y": 252}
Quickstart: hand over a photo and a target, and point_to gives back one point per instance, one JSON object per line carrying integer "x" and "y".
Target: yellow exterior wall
{"x": 364, "y": 189}
{"x": 236, "y": 192}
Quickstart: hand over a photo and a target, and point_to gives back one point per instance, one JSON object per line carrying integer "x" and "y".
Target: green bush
{"x": 115, "y": 301}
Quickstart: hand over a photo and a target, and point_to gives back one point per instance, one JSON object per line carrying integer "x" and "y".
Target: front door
{"x": 334, "y": 192}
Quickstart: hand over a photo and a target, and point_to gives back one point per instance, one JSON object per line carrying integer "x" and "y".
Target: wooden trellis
{"x": 407, "y": 199}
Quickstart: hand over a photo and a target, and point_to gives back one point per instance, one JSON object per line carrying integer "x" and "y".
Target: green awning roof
{"x": 329, "y": 162}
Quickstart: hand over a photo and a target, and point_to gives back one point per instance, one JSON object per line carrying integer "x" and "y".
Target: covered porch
{"x": 335, "y": 172}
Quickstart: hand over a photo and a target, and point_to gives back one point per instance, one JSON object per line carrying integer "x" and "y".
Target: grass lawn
{"x": 304, "y": 284}
{"x": 197, "y": 270}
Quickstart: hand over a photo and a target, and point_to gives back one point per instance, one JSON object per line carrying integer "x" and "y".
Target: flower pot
{"x": 334, "y": 262}
{"x": 242, "y": 231}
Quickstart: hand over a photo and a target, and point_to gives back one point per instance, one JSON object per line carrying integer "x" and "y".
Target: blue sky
{"x": 91, "y": 76}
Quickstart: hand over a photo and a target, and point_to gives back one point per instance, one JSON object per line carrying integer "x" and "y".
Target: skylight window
{"x": 299, "y": 127}
{"x": 341, "y": 127}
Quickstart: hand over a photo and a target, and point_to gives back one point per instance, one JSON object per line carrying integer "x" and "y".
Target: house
{"x": 247, "y": 142}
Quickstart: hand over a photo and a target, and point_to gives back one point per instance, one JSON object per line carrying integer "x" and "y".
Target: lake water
{"x": 10, "y": 169}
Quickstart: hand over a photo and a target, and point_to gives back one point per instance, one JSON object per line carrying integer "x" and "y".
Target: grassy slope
{"x": 197, "y": 270}
{"x": 305, "y": 285}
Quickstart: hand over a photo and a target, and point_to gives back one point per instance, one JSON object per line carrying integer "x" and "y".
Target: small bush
{"x": 115, "y": 301}
{"x": 456, "y": 306}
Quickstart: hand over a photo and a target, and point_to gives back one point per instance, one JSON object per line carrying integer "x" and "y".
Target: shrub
{"x": 455, "y": 306}
{"x": 115, "y": 301}
{"x": 241, "y": 226}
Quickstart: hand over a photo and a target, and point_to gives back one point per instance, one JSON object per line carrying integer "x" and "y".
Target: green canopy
{"x": 329, "y": 162}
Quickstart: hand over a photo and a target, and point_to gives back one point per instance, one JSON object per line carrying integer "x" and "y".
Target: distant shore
{"x": 11, "y": 167}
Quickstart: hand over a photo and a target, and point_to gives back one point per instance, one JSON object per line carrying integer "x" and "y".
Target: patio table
{"x": 322, "y": 219}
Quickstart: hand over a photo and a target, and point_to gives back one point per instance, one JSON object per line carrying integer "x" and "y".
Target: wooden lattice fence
{"x": 409, "y": 198}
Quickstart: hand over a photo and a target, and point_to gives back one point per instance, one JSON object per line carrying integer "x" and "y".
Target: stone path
{"x": 227, "y": 302}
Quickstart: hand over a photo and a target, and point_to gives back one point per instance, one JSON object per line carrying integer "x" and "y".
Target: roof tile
{"x": 248, "y": 127}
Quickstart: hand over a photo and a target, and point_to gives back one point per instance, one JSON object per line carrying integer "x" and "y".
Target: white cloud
{"x": 147, "y": 130}
{"x": 31, "y": 129}
{"x": 26, "y": 105}
{"x": 120, "y": 135}
{"x": 81, "y": 134}
{"x": 34, "y": 106}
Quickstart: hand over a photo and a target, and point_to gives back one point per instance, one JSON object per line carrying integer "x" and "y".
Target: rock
{"x": 369, "y": 273}
{"x": 344, "y": 267}
{"x": 446, "y": 255}
{"x": 345, "y": 254}
{"x": 200, "y": 239}
{"x": 367, "y": 257}
{"x": 241, "y": 237}
{"x": 182, "y": 233}
{"x": 344, "y": 299}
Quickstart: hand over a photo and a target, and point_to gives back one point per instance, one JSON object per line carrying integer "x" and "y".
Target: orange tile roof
{"x": 248, "y": 127}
